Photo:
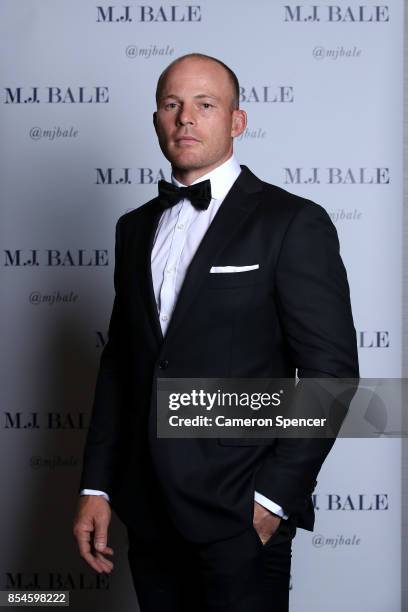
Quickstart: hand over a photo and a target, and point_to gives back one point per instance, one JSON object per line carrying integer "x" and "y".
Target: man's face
{"x": 195, "y": 121}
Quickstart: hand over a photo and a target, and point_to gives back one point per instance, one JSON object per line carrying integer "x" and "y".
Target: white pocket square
{"x": 229, "y": 269}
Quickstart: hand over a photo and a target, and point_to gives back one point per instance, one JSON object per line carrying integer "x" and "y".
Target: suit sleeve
{"x": 102, "y": 442}
{"x": 315, "y": 313}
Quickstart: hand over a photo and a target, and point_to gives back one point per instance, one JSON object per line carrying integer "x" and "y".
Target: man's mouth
{"x": 186, "y": 139}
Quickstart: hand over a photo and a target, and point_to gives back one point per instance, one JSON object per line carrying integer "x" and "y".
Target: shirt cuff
{"x": 270, "y": 505}
{"x": 96, "y": 492}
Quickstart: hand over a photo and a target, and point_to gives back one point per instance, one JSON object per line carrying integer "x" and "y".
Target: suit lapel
{"x": 232, "y": 214}
{"x": 143, "y": 243}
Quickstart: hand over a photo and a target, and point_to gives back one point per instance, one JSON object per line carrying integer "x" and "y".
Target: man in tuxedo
{"x": 220, "y": 276}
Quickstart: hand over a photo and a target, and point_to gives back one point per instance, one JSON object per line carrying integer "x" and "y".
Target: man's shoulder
{"x": 136, "y": 215}
{"x": 276, "y": 201}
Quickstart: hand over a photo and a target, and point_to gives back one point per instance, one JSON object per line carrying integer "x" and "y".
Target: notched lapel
{"x": 143, "y": 244}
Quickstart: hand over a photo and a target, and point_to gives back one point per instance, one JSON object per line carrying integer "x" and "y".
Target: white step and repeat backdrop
{"x": 322, "y": 85}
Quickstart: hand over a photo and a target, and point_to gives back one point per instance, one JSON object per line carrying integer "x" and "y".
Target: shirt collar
{"x": 222, "y": 178}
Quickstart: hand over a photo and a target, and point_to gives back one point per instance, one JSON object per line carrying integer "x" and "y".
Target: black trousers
{"x": 238, "y": 574}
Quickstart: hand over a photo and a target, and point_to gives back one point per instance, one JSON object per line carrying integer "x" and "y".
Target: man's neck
{"x": 187, "y": 177}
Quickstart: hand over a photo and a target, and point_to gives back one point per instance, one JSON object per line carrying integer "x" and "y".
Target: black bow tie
{"x": 198, "y": 194}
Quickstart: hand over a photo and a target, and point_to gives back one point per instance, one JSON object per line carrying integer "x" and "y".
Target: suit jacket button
{"x": 163, "y": 364}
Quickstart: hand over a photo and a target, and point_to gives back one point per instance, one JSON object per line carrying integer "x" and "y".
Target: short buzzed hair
{"x": 231, "y": 75}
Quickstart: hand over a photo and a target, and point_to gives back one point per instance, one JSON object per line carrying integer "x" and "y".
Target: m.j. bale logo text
{"x": 51, "y": 94}
{"x": 144, "y": 13}
{"x": 80, "y": 258}
{"x": 336, "y": 13}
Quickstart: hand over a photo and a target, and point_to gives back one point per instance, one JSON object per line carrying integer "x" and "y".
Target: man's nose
{"x": 185, "y": 116}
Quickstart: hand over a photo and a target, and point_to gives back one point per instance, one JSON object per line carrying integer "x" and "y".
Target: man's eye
{"x": 170, "y": 105}
{"x": 207, "y": 105}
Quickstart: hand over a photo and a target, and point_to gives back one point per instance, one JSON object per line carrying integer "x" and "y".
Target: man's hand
{"x": 91, "y": 532}
{"x": 265, "y": 522}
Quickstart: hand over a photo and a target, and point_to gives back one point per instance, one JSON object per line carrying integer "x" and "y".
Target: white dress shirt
{"x": 179, "y": 233}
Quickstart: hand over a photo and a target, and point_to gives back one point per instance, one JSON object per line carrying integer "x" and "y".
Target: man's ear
{"x": 239, "y": 122}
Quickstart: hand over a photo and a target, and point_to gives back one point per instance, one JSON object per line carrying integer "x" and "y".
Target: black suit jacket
{"x": 292, "y": 312}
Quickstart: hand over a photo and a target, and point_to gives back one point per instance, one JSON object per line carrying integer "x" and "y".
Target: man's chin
{"x": 186, "y": 162}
